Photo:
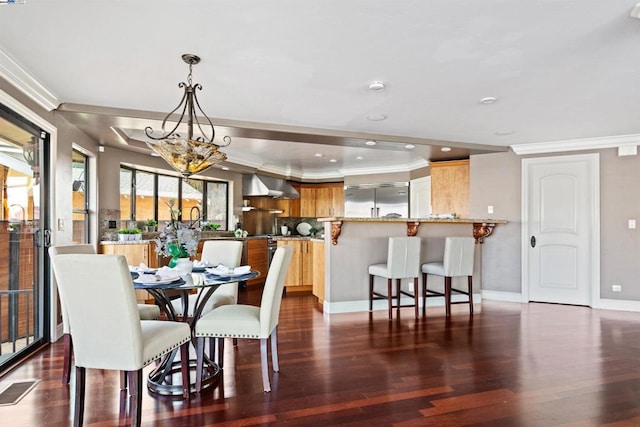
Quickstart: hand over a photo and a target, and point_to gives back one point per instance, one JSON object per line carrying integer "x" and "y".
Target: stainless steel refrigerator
{"x": 377, "y": 201}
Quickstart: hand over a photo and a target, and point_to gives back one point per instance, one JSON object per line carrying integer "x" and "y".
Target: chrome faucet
{"x": 198, "y": 217}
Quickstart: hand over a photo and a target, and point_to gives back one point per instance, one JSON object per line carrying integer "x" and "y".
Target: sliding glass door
{"x": 23, "y": 237}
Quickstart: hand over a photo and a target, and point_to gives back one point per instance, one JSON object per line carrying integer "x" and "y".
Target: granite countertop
{"x": 435, "y": 220}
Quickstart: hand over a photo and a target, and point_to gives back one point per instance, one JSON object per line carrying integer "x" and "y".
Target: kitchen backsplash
{"x": 292, "y": 223}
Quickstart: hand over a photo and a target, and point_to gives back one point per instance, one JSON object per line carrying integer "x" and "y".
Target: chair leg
{"x": 67, "y": 352}
{"x": 424, "y": 294}
{"x": 389, "y": 298}
{"x": 123, "y": 380}
{"x": 212, "y": 348}
{"x": 447, "y": 295}
{"x": 416, "y": 295}
{"x": 135, "y": 402}
{"x": 398, "y": 294}
{"x": 370, "y": 292}
{"x": 220, "y": 352}
{"x": 184, "y": 368}
{"x": 470, "y": 285}
{"x": 235, "y": 342}
{"x": 78, "y": 417}
{"x": 274, "y": 350}
{"x": 199, "y": 361}
{"x": 265, "y": 364}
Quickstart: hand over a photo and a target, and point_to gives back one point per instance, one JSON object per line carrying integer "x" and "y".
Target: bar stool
{"x": 403, "y": 262}
{"x": 458, "y": 261}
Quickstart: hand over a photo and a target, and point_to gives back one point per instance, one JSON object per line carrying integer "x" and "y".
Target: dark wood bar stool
{"x": 403, "y": 262}
{"x": 458, "y": 261}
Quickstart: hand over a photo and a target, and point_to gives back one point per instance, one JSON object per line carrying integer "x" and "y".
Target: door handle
{"x": 533, "y": 241}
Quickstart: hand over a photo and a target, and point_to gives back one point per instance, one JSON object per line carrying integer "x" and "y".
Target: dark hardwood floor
{"x": 511, "y": 365}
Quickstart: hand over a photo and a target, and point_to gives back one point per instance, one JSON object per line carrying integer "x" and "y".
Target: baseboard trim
{"x": 616, "y": 304}
{"x": 501, "y": 296}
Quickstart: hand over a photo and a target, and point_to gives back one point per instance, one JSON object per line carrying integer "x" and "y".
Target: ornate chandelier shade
{"x": 185, "y": 153}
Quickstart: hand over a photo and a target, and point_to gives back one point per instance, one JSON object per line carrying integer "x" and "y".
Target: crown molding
{"x": 577, "y": 144}
{"x": 23, "y": 81}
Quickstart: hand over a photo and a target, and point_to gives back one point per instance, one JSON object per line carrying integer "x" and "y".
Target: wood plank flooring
{"x": 510, "y": 365}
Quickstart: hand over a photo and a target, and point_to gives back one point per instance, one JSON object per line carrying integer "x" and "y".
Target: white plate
{"x": 150, "y": 280}
{"x": 219, "y": 274}
{"x": 304, "y": 228}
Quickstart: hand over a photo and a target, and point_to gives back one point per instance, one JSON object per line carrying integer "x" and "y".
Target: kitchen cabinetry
{"x": 289, "y": 207}
{"x": 450, "y": 187}
{"x": 300, "y": 275}
{"x": 318, "y": 270}
{"x": 322, "y": 200}
{"x": 257, "y": 258}
{"x": 135, "y": 254}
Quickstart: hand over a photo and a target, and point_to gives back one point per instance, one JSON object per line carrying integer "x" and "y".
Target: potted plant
{"x": 151, "y": 225}
{"x": 125, "y": 234}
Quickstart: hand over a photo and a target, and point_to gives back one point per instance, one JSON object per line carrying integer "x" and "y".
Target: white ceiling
{"x": 299, "y": 70}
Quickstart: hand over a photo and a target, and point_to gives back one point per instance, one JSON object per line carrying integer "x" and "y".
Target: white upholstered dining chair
{"x": 215, "y": 252}
{"x": 147, "y": 311}
{"x": 248, "y": 322}
{"x": 458, "y": 261}
{"x": 110, "y": 335}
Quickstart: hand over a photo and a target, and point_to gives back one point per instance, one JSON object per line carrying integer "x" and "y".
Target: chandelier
{"x": 185, "y": 153}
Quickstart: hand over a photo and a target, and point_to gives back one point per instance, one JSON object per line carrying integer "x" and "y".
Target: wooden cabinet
{"x": 307, "y": 201}
{"x": 135, "y": 254}
{"x": 300, "y": 275}
{"x": 289, "y": 207}
{"x": 257, "y": 258}
{"x": 450, "y": 188}
{"x": 322, "y": 200}
{"x": 318, "y": 270}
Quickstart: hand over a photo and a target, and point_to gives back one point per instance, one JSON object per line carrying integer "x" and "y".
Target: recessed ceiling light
{"x": 333, "y": 160}
{"x": 376, "y": 86}
{"x": 359, "y": 158}
{"x": 101, "y": 148}
{"x": 488, "y": 100}
{"x": 409, "y": 146}
{"x": 445, "y": 149}
{"x": 224, "y": 168}
{"x": 504, "y": 132}
{"x": 376, "y": 117}
{"x": 154, "y": 154}
{"x": 370, "y": 142}
{"x": 318, "y": 154}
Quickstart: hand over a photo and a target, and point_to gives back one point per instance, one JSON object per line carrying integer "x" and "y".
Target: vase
{"x": 184, "y": 266}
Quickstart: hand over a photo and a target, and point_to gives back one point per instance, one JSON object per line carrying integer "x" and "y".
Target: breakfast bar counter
{"x": 352, "y": 244}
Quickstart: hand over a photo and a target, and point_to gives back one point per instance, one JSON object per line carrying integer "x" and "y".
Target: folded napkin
{"x": 165, "y": 274}
{"x": 142, "y": 268}
{"x": 222, "y": 270}
{"x": 200, "y": 264}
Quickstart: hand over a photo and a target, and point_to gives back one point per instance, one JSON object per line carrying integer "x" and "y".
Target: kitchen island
{"x": 352, "y": 244}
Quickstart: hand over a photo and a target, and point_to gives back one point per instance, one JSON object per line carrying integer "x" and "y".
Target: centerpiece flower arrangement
{"x": 177, "y": 240}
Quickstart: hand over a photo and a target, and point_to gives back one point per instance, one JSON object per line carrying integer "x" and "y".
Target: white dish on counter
{"x": 304, "y": 228}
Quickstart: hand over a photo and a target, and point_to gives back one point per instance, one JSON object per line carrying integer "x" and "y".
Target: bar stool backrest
{"x": 458, "y": 256}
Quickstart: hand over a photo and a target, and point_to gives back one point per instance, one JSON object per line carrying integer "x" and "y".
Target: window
{"x": 126, "y": 187}
{"x": 145, "y": 195}
{"x": 80, "y": 199}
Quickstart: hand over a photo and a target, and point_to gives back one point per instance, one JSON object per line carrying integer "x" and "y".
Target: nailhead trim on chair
{"x": 213, "y": 335}
{"x": 157, "y": 356}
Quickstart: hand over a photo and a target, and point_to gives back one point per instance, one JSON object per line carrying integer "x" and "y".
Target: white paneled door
{"x": 560, "y": 204}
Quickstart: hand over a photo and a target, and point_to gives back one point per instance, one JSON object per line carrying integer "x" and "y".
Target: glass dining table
{"x": 166, "y": 379}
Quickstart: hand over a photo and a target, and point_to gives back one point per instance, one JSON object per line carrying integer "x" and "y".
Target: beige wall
{"x": 496, "y": 180}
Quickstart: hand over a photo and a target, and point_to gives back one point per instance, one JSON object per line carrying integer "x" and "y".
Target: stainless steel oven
{"x": 272, "y": 245}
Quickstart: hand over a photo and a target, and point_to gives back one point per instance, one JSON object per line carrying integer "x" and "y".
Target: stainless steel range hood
{"x": 260, "y": 185}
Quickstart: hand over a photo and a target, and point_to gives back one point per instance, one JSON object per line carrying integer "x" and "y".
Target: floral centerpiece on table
{"x": 177, "y": 240}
